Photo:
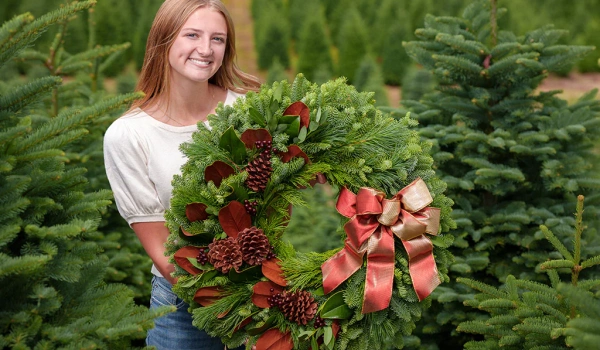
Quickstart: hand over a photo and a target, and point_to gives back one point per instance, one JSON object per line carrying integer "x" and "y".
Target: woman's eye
{"x": 191, "y": 35}
{"x": 219, "y": 39}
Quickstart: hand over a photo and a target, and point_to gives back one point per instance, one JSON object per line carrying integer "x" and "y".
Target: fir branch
{"x": 27, "y": 94}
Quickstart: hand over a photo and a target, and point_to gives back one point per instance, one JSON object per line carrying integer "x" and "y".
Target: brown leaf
{"x": 243, "y": 324}
{"x": 181, "y": 259}
{"x": 300, "y": 109}
{"x": 234, "y": 218}
{"x": 293, "y": 151}
{"x": 250, "y": 136}
{"x": 272, "y": 271}
{"x": 335, "y": 327}
{"x": 262, "y": 291}
{"x": 196, "y": 212}
{"x": 319, "y": 179}
{"x": 186, "y": 233}
{"x": 207, "y": 295}
{"x": 273, "y": 339}
{"x": 218, "y": 171}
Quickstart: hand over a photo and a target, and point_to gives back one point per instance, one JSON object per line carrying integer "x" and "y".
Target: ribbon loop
{"x": 374, "y": 220}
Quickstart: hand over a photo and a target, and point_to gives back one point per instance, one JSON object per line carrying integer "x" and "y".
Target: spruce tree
{"x": 353, "y": 45}
{"x": 55, "y": 296}
{"x": 513, "y": 158}
{"x": 313, "y": 48}
{"x": 276, "y": 73}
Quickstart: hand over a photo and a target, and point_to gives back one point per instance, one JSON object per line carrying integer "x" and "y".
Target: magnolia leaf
{"x": 231, "y": 143}
{"x": 293, "y": 128}
{"x": 302, "y": 134}
{"x": 181, "y": 258}
{"x": 263, "y": 291}
{"x": 256, "y": 117}
{"x": 218, "y": 171}
{"x": 313, "y": 344}
{"x": 277, "y": 93}
{"x": 328, "y": 336}
{"x": 208, "y": 275}
{"x": 273, "y": 339}
{"x": 293, "y": 151}
{"x": 249, "y": 274}
{"x": 336, "y": 308}
{"x": 189, "y": 282}
{"x": 313, "y": 126}
{"x": 234, "y": 218}
{"x": 318, "y": 116}
{"x": 258, "y": 330}
{"x": 300, "y": 109}
{"x": 272, "y": 271}
{"x": 194, "y": 262}
{"x": 242, "y": 324}
{"x": 288, "y": 119}
{"x": 250, "y": 136}
{"x": 208, "y": 295}
{"x": 238, "y": 192}
{"x": 274, "y": 106}
{"x": 196, "y": 212}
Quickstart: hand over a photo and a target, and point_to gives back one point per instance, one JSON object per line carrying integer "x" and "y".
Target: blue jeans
{"x": 174, "y": 331}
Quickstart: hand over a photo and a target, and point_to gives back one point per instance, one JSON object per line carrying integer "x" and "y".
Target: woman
{"x": 188, "y": 69}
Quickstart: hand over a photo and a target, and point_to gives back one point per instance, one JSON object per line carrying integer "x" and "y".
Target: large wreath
{"x": 233, "y": 201}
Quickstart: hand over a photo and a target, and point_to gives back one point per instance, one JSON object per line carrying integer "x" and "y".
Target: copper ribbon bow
{"x": 373, "y": 222}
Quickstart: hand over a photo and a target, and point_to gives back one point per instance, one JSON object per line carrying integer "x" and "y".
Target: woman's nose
{"x": 204, "y": 48}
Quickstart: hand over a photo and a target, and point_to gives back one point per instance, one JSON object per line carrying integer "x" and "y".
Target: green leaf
{"x": 277, "y": 94}
{"x": 239, "y": 193}
{"x": 249, "y": 274}
{"x": 231, "y": 143}
{"x": 261, "y": 329}
{"x": 313, "y": 126}
{"x": 194, "y": 262}
{"x": 328, "y": 336}
{"x": 320, "y": 292}
{"x": 274, "y": 106}
{"x": 288, "y": 119}
{"x": 335, "y": 307}
{"x": 293, "y": 128}
{"x": 318, "y": 116}
{"x": 208, "y": 275}
{"x": 190, "y": 282}
{"x": 313, "y": 344}
{"x": 256, "y": 117}
{"x": 302, "y": 134}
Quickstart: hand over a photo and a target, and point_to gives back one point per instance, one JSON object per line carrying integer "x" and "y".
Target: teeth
{"x": 199, "y": 62}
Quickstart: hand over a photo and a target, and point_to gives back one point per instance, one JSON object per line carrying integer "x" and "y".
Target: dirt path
{"x": 244, "y": 35}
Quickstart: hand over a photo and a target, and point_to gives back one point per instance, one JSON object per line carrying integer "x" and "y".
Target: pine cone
{"x": 259, "y": 171}
{"x": 299, "y": 307}
{"x": 254, "y": 245}
{"x": 224, "y": 254}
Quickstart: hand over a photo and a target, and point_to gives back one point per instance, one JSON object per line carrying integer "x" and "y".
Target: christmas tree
{"x": 513, "y": 158}
{"x": 52, "y": 270}
{"x": 530, "y": 315}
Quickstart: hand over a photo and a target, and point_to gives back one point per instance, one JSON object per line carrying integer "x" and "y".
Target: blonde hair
{"x": 170, "y": 18}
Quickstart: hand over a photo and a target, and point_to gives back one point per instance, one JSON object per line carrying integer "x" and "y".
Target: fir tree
{"x": 513, "y": 158}
{"x": 394, "y": 60}
{"x": 313, "y": 226}
{"x": 528, "y": 315}
{"x": 57, "y": 297}
{"x": 369, "y": 78}
{"x": 416, "y": 83}
{"x": 273, "y": 39}
{"x": 300, "y": 11}
{"x": 276, "y": 72}
{"x": 127, "y": 260}
{"x": 353, "y": 45}
{"x": 314, "y": 48}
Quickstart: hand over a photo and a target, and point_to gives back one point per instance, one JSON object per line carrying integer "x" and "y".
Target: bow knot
{"x": 374, "y": 220}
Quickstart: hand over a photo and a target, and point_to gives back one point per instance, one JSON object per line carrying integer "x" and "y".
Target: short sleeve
{"x": 126, "y": 163}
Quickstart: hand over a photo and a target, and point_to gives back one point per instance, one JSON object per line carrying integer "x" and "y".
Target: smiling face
{"x": 197, "y": 52}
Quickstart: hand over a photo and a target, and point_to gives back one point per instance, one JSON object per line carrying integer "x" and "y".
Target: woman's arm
{"x": 153, "y": 236}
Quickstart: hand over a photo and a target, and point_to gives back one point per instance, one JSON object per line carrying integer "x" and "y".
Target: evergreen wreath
{"x": 233, "y": 201}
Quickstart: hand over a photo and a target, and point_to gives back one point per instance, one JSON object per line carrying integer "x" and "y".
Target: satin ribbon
{"x": 373, "y": 223}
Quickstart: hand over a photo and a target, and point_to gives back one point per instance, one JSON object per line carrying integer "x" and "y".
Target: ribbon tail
{"x": 341, "y": 266}
{"x": 380, "y": 271}
{"x": 421, "y": 265}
